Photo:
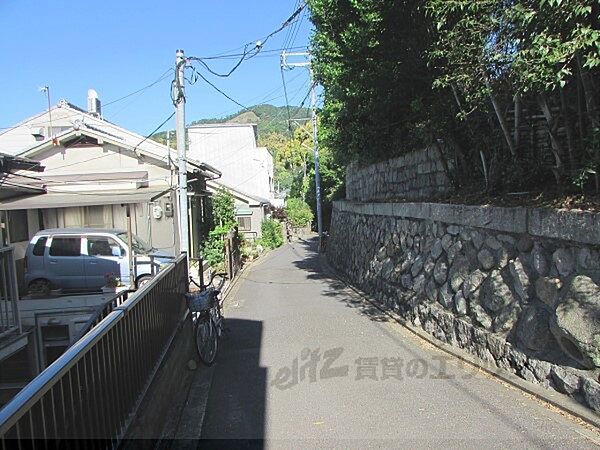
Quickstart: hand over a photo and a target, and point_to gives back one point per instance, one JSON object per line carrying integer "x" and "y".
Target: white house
{"x": 232, "y": 149}
{"x": 94, "y": 169}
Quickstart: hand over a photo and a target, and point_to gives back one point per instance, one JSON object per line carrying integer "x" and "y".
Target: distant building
{"x": 232, "y": 149}
{"x": 250, "y": 211}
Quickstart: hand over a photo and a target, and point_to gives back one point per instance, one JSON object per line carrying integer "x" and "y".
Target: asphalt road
{"x": 307, "y": 364}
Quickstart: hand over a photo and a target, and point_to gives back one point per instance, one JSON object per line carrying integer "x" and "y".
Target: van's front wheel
{"x": 143, "y": 280}
{"x": 39, "y": 287}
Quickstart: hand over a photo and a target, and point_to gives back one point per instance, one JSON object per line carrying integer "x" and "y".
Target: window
{"x": 94, "y": 216}
{"x": 65, "y": 246}
{"x": 40, "y": 246}
{"x": 103, "y": 246}
{"x": 245, "y": 223}
{"x": 139, "y": 246}
{"x": 18, "y": 227}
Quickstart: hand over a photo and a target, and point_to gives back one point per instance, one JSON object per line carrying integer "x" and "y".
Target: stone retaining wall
{"x": 516, "y": 287}
{"x": 416, "y": 175}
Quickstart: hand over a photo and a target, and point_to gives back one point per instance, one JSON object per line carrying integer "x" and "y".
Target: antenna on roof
{"x": 46, "y": 90}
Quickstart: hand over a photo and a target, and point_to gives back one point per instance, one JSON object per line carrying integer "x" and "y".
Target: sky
{"x": 119, "y": 47}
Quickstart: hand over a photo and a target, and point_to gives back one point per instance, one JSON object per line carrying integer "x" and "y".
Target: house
{"x": 95, "y": 172}
{"x": 250, "y": 211}
{"x": 232, "y": 149}
{"x": 12, "y": 185}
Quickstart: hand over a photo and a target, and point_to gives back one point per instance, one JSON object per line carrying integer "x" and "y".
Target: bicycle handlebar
{"x": 212, "y": 277}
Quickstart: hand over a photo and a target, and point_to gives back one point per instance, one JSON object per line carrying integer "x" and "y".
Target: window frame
{"x": 65, "y": 237}
{"x": 241, "y": 227}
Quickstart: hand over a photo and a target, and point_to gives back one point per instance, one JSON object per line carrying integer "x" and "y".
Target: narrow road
{"x": 306, "y": 363}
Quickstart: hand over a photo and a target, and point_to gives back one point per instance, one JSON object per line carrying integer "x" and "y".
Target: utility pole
{"x": 313, "y": 107}
{"x": 181, "y": 152}
{"x": 313, "y": 101}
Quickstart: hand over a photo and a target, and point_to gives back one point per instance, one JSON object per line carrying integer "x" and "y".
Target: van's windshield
{"x": 139, "y": 246}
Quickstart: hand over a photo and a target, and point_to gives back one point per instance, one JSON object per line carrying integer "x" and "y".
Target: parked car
{"x": 76, "y": 259}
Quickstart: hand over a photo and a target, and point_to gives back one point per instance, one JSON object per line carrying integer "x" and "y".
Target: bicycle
{"x": 206, "y": 305}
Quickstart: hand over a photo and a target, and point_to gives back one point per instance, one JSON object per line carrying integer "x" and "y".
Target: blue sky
{"x": 118, "y": 47}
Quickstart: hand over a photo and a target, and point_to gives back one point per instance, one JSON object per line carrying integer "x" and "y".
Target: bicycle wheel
{"x": 206, "y": 341}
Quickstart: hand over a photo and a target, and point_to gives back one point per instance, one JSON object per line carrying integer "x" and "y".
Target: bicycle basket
{"x": 200, "y": 301}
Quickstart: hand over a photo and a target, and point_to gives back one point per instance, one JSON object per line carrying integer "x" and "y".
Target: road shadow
{"x": 311, "y": 262}
{"x": 235, "y": 411}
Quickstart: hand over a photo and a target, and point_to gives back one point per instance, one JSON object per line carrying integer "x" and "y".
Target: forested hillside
{"x": 269, "y": 118}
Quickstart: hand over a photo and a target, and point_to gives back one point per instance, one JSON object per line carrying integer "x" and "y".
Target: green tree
{"x": 223, "y": 220}
{"x": 272, "y": 236}
{"x": 298, "y": 212}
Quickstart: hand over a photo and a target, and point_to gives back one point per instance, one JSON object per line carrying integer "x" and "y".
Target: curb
{"x": 555, "y": 399}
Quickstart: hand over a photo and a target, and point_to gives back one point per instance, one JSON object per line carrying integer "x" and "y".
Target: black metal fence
{"x": 233, "y": 253}
{"x": 94, "y": 389}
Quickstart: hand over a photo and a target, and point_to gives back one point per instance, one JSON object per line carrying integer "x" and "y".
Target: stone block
{"x": 495, "y": 294}
{"x": 564, "y": 261}
{"x": 576, "y": 322}
{"x": 440, "y": 271}
{"x": 591, "y": 392}
{"x": 481, "y": 316}
{"x": 520, "y": 277}
{"x": 547, "y": 290}
{"x": 565, "y": 380}
{"x": 533, "y": 331}
{"x": 539, "y": 260}
{"x": 486, "y": 259}
{"x": 575, "y": 226}
{"x": 524, "y": 244}
{"x": 445, "y": 297}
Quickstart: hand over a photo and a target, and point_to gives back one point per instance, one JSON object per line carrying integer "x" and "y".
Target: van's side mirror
{"x": 116, "y": 251}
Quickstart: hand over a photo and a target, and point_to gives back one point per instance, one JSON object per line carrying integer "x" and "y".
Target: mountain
{"x": 269, "y": 118}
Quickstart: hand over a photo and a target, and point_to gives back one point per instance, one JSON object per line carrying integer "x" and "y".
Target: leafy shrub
{"x": 298, "y": 212}
{"x": 213, "y": 248}
{"x": 223, "y": 217}
{"x": 272, "y": 237}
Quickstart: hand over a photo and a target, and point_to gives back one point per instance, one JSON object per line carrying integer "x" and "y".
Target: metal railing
{"x": 9, "y": 294}
{"x": 94, "y": 389}
{"x": 103, "y": 311}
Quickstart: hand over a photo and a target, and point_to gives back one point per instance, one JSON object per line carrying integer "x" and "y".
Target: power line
{"x": 297, "y": 30}
{"x": 263, "y": 98}
{"x": 219, "y": 90}
{"x": 287, "y": 102}
{"x": 162, "y": 77}
{"x": 154, "y": 131}
{"x": 246, "y": 54}
{"x": 257, "y": 46}
{"x": 263, "y": 53}
{"x": 290, "y": 30}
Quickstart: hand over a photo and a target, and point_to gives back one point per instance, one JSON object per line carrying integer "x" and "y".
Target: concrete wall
{"x": 413, "y": 176}
{"x": 516, "y": 287}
